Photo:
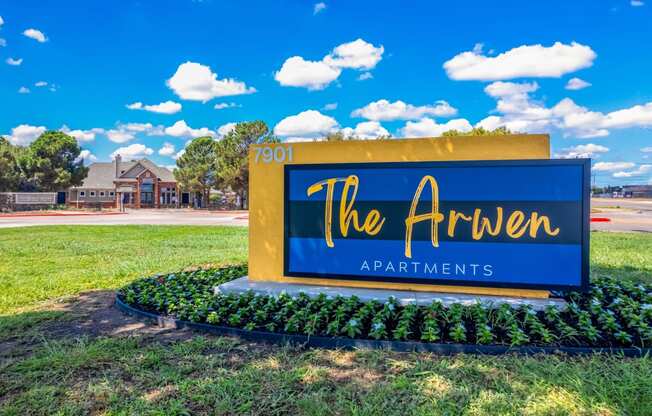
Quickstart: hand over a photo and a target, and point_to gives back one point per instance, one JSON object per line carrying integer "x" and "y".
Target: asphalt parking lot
{"x": 633, "y": 215}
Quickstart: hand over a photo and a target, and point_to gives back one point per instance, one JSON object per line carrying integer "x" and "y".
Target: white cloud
{"x": 366, "y": 130}
{"x": 640, "y": 171}
{"x": 41, "y": 84}
{"x": 193, "y": 81}
{"x": 167, "y": 149}
{"x": 612, "y": 166}
{"x": 581, "y": 151}
{"x": 23, "y": 90}
{"x": 365, "y": 76}
{"x": 647, "y": 149}
{"x": 222, "y": 106}
{"x": 119, "y": 135}
{"x": 167, "y": 107}
{"x": 133, "y": 151}
{"x": 636, "y": 3}
{"x": 358, "y": 54}
{"x": 86, "y": 156}
{"x": 35, "y": 34}
{"x": 2, "y": 21}
{"x": 3, "y": 42}
{"x": 314, "y": 75}
{"x": 14, "y": 62}
{"x": 427, "y": 127}
{"x": 523, "y": 61}
{"x": 82, "y": 135}
{"x": 330, "y": 107}
{"x": 319, "y": 7}
{"x": 225, "y": 129}
{"x": 24, "y": 134}
{"x": 383, "y": 110}
{"x": 182, "y": 129}
{"x": 179, "y": 154}
{"x": 577, "y": 84}
{"x": 308, "y": 124}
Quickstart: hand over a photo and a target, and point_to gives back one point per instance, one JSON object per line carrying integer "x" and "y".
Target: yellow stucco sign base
{"x": 266, "y": 187}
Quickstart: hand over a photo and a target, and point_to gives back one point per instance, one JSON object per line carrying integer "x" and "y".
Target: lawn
{"x": 79, "y": 357}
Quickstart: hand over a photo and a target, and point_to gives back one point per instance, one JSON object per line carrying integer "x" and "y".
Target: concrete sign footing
{"x": 404, "y": 297}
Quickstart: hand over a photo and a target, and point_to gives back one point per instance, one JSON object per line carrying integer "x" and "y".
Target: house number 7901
{"x": 278, "y": 154}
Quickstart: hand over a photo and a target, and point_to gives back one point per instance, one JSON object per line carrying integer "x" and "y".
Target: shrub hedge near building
{"x": 612, "y": 314}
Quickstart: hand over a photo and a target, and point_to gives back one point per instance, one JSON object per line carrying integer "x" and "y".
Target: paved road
{"x": 625, "y": 215}
{"x": 144, "y": 216}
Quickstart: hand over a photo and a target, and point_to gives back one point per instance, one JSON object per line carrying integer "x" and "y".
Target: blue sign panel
{"x": 516, "y": 224}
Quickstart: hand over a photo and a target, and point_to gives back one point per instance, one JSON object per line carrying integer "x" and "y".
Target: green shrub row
{"x": 613, "y": 313}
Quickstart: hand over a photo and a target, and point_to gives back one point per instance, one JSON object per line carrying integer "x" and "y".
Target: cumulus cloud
{"x": 225, "y": 129}
{"x": 523, "y": 61}
{"x": 365, "y": 76}
{"x": 133, "y": 151}
{"x": 82, "y": 135}
{"x": 86, "y": 156}
{"x": 25, "y": 134}
{"x": 35, "y": 34}
{"x": 167, "y": 149}
{"x": 639, "y": 171}
{"x": 520, "y": 112}
{"x": 330, "y": 107}
{"x": 427, "y": 127}
{"x": 182, "y": 129}
{"x": 23, "y": 90}
{"x": 2, "y": 21}
{"x": 310, "y": 124}
{"x": 120, "y": 135}
{"x": 41, "y": 84}
{"x": 167, "y": 107}
{"x": 193, "y": 81}
{"x": 612, "y": 166}
{"x": 576, "y": 84}
{"x": 383, "y": 110}
{"x": 316, "y": 75}
{"x": 647, "y": 149}
{"x": 581, "y": 151}
{"x": 14, "y": 62}
{"x": 318, "y": 7}
{"x": 366, "y": 130}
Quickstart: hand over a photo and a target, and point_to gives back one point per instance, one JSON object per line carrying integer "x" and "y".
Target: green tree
{"x": 479, "y": 131}
{"x": 196, "y": 168}
{"x": 233, "y": 155}
{"x": 10, "y": 172}
{"x": 51, "y": 162}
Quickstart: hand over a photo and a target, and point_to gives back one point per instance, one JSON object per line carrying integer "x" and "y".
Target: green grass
{"x": 212, "y": 375}
{"x": 43, "y": 263}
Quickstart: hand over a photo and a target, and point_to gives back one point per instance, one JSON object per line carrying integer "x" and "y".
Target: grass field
{"x": 80, "y": 357}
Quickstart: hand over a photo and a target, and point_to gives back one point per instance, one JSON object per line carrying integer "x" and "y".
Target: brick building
{"x": 135, "y": 184}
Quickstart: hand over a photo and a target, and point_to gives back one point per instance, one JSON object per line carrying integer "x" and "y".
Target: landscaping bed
{"x": 613, "y": 316}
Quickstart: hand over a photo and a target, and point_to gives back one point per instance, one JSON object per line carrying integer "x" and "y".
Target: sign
{"x": 518, "y": 224}
{"x": 36, "y": 198}
{"x": 267, "y": 205}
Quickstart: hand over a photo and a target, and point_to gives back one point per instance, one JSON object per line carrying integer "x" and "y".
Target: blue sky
{"x": 144, "y": 77}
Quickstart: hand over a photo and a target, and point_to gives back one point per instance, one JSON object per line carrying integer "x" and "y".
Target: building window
{"x": 102, "y": 193}
{"x": 92, "y": 194}
{"x": 111, "y": 193}
{"x": 82, "y": 194}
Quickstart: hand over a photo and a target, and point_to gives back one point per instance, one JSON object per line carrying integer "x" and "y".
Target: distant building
{"x": 637, "y": 191}
{"x": 135, "y": 184}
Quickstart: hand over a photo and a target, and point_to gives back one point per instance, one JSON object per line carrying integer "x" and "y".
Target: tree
{"x": 233, "y": 155}
{"x": 196, "y": 168}
{"x": 51, "y": 163}
{"x": 479, "y": 131}
{"x": 339, "y": 136}
{"x": 10, "y": 173}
